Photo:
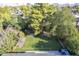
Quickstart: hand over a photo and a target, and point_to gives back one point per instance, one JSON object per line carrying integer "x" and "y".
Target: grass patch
{"x": 37, "y": 43}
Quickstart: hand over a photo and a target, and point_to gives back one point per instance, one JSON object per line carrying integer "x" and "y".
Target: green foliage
{"x": 35, "y": 19}
{"x": 61, "y": 22}
{"x": 9, "y": 41}
{"x": 77, "y": 8}
{"x": 39, "y": 44}
{"x": 5, "y": 14}
{"x": 39, "y": 18}
{"x": 25, "y": 10}
{"x": 72, "y": 43}
{"x": 66, "y": 30}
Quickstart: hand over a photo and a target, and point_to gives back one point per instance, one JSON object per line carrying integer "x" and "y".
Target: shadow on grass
{"x": 40, "y": 43}
{"x": 50, "y": 44}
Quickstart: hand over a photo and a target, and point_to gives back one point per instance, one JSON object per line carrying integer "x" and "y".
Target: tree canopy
{"x": 39, "y": 18}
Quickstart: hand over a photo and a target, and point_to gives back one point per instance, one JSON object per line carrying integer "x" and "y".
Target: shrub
{"x": 9, "y": 39}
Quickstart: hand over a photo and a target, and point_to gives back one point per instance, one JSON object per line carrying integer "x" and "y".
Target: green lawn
{"x": 36, "y": 43}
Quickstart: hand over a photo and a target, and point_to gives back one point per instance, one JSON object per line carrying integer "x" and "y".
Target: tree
{"x": 77, "y": 9}
{"x": 5, "y": 14}
{"x": 62, "y": 21}
{"x": 40, "y": 17}
{"x": 72, "y": 42}
{"x": 17, "y": 18}
{"x": 66, "y": 29}
{"x": 46, "y": 10}
{"x": 35, "y": 20}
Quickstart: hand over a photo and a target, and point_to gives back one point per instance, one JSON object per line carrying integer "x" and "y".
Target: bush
{"x": 72, "y": 42}
{"x": 9, "y": 39}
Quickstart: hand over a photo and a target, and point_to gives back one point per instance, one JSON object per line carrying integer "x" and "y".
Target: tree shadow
{"x": 50, "y": 44}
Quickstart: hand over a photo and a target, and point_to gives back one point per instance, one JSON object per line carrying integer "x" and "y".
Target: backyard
{"x": 38, "y": 27}
{"x": 37, "y": 43}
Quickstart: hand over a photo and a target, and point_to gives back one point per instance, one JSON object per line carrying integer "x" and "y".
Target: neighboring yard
{"x": 37, "y": 43}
